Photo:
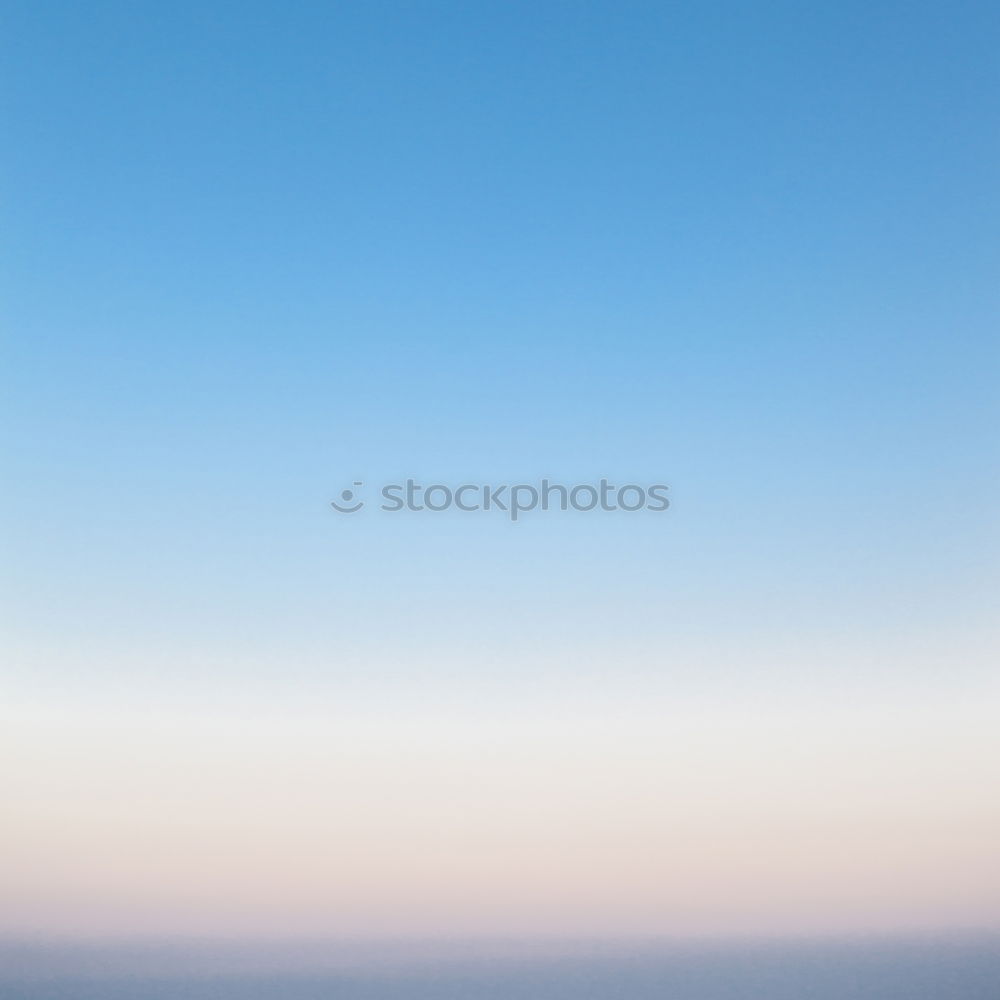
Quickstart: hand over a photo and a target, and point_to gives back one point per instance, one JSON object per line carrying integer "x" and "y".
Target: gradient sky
{"x": 258, "y": 251}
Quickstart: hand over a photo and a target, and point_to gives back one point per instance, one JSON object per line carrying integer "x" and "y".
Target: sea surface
{"x": 853, "y": 970}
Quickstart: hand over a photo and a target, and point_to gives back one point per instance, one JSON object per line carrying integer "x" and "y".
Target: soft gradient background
{"x": 257, "y": 251}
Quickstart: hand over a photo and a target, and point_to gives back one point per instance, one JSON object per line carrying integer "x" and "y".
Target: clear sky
{"x": 256, "y": 252}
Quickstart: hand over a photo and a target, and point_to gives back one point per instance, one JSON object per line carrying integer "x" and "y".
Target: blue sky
{"x": 258, "y": 251}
